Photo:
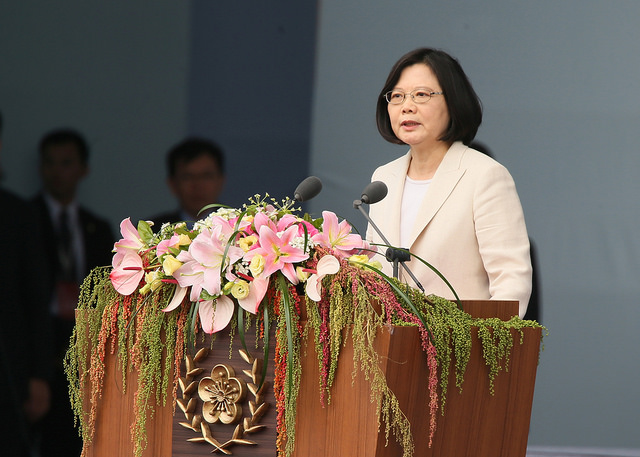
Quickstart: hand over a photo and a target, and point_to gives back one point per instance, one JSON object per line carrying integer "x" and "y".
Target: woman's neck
{"x": 425, "y": 161}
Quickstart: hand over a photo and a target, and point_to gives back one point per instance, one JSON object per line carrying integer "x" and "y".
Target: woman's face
{"x": 419, "y": 124}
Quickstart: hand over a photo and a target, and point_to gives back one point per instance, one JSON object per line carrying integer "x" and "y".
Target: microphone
{"x": 307, "y": 189}
{"x": 373, "y": 193}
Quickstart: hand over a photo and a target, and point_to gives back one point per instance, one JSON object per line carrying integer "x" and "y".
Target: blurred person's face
{"x": 61, "y": 170}
{"x": 197, "y": 183}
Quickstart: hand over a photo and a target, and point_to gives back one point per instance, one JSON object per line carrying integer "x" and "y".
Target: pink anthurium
{"x": 176, "y": 300}
{"x": 215, "y": 314}
{"x": 127, "y": 272}
{"x": 327, "y": 265}
{"x": 130, "y": 237}
{"x": 257, "y": 288}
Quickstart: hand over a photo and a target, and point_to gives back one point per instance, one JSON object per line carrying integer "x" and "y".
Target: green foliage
{"x": 356, "y": 304}
{"x": 141, "y": 335}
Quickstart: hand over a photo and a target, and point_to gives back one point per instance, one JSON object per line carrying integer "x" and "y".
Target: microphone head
{"x": 374, "y": 192}
{"x": 307, "y": 189}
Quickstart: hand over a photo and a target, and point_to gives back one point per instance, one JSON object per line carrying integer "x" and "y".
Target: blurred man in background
{"x": 76, "y": 241}
{"x": 196, "y": 176}
{"x": 25, "y": 332}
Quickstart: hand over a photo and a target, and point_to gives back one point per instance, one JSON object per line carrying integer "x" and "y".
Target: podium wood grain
{"x": 475, "y": 423}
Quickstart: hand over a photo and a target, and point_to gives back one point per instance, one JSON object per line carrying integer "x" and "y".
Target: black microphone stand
{"x": 395, "y": 255}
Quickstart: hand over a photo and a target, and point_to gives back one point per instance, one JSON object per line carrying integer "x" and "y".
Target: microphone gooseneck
{"x": 373, "y": 193}
{"x": 307, "y": 189}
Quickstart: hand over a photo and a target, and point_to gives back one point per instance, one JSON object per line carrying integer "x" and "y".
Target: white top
{"x": 412, "y": 197}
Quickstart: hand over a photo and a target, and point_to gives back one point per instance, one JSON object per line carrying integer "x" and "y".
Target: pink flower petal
{"x": 216, "y": 314}
{"x": 178, "y": 296}
{"x": 127, "y": 272}
{"x": 328, "y": 265}
{"x": 314, "y": 288}
{"x": 257, "y": 289}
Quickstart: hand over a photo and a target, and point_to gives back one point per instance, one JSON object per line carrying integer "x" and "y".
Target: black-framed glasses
{"x": 397, "y": 97}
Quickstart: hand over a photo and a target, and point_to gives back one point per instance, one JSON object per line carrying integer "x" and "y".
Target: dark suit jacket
{"x": 25, "y": 331}
{"x": 96, "y": 232}
{"x": 98, "y": 246}
{"x": 57, "y": 429}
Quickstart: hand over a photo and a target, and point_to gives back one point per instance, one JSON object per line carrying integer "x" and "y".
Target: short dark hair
{"x": 65, "y": 136}
{"x": 465, "y": 108}
{"x": 192, "y": 148}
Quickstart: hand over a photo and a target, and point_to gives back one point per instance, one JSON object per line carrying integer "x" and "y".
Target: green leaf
{"x": 145, "y": 232}
{"x": 241, "y": 329}
{"x": 266, "y": 345}
{"x": 212, "y": 205}
{"x": 286, "y": 304}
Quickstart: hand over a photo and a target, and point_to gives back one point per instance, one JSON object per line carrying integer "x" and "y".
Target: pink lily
{"x": 127, "y": 272}
{"x": 223, "y": 227}
{"x": 327, "y": 265}
{"x": 286, "y": 221}
{"x": 261, "y": 219}
{"x": 164, "y": 245}
{"x": 278, "y": 253}
{"x": 365, "y": 249}
{"x": 336, "y": 236}
{"x": 311, "y": 230}
{"x": 215, "y": 314}
{"x": 202, "y": 264}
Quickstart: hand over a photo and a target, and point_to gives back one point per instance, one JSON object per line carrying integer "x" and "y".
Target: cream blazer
{"x": 470, "y": 227}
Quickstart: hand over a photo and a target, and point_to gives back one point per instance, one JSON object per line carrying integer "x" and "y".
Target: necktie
{"x": 65, "y": 248}
{"x": 67, "y": 283}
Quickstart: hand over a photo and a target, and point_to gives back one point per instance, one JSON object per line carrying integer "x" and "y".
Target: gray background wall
{"x": 559, "y": 83}
{"x": 118, "y": 72}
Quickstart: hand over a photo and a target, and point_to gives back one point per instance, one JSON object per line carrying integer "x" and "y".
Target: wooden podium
{"x": 475, "y": 423}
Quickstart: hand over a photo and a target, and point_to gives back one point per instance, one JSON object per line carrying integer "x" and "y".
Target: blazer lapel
{"x": 444, "y": 181}
{"x": 390, "y": 224}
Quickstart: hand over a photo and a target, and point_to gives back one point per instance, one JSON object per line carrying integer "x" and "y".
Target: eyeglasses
{"x": 397, "y": 97}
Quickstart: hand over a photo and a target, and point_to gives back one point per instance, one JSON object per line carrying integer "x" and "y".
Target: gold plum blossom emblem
{"x": 191, "y": 398}
{"x": 222, "y": 394}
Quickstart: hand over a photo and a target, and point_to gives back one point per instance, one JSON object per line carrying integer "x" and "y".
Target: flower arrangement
{"x": 260, "y": 264}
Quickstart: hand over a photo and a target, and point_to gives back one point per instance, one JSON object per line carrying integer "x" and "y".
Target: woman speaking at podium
{"x": 450, "y": 205}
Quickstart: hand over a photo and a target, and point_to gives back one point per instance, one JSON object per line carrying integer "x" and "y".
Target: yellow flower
{"x": 184, "y": 240}
{"x": 358, "y": 259}
{"x": 226, "y": 289}
{"x": 240, "y": 289}
{"x": 302, "y": 275}
{"x": 153, "y": 281}
{"x": 246, "y": 242}
{"x": 257, "y": 265}
{"x": 170, "y": 264}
